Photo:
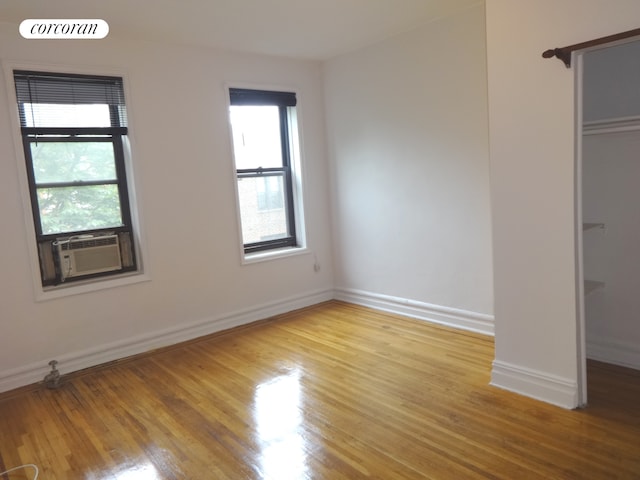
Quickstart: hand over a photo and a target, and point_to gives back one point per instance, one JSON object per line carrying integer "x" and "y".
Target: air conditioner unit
{"x": 85, "y": 255}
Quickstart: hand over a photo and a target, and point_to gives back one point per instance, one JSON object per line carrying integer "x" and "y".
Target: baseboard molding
{"x": 613, "y": 351}
{"x": 535, "y": 384}
{"x": 452, "y": 317}
{"x": 34, "y": 373}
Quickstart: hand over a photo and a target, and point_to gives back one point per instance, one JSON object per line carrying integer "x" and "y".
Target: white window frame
{"x": 297, "y": 176}
{"x": 94, "y": 284}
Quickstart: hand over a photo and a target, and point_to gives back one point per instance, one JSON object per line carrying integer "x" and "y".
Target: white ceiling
{"x": 312, "y": 29}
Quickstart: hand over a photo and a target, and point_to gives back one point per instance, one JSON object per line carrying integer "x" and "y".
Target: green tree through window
{"x": 83, "y": 205}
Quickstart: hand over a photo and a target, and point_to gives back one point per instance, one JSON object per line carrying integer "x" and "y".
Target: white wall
{"x": 531, "y": 116}
{"x": 184, "y": 172}
{"x": 408, "y": 139}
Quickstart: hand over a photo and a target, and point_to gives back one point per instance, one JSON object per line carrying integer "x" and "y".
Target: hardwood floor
{"x": 333, "y": 392}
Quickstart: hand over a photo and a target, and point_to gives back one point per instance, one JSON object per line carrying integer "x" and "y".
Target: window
{"x": 264, "y": 133}
{"x": 73, "y": 132}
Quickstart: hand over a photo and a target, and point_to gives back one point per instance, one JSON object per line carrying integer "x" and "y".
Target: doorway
{"x": 607, "y": 224}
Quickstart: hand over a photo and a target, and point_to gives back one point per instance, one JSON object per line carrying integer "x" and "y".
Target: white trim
{"x": 268, "y": 255}
{"x": 559, "y": 391}
{"x": 80, "y": 287}
{"x": 613, "y": 351}
{"x": 71, "y": 362}
{"x": 581, "y": 360}
{"x": 451, "y": 317}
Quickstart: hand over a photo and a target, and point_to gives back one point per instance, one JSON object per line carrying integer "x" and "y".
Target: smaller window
{"x": 261, "y": 127}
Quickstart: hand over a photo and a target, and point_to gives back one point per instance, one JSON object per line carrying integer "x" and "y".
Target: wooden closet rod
{"x": 564, "y": 53}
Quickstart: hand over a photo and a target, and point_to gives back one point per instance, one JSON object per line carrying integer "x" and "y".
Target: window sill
{"x": 273, "y": 254}
{"x": 80, "y": 287}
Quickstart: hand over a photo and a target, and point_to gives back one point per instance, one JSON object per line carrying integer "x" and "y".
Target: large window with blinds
{"x": 264, "y": 140}
{"x": 73, "y": 129}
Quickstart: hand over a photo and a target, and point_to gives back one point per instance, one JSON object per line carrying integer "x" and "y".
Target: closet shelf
{"x": 591, "y": 226}
{"x": 591, "y": 286}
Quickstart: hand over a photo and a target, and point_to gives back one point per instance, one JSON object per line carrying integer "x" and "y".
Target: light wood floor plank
{"x": 335, "y": 391}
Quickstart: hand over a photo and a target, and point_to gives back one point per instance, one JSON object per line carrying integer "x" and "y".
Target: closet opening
{"x": 607, "y": 200}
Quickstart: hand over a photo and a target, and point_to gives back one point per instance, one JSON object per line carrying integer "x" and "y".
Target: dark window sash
{"x": 291, "y": 239}
{"x": 283, "y": 100}
{"x": 120, "y": 181}
{"x": 43, "y": 133}
{"x": 70, "y": 89}
{"x": 285, "y": 242}
{"x": 262, "y": 172}
{"x": 79, "y": 184}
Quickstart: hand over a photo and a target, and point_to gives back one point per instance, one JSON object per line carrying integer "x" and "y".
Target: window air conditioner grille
{"x": 85, "y": 256}
{"x": 76, "y": 244}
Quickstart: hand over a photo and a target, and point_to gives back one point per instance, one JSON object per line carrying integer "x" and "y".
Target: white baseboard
{"x": 452, "y": 317}
{"x": 613, "y": 351}
{"x": 535, "y": 384}
{"x": 71, "y": 362}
